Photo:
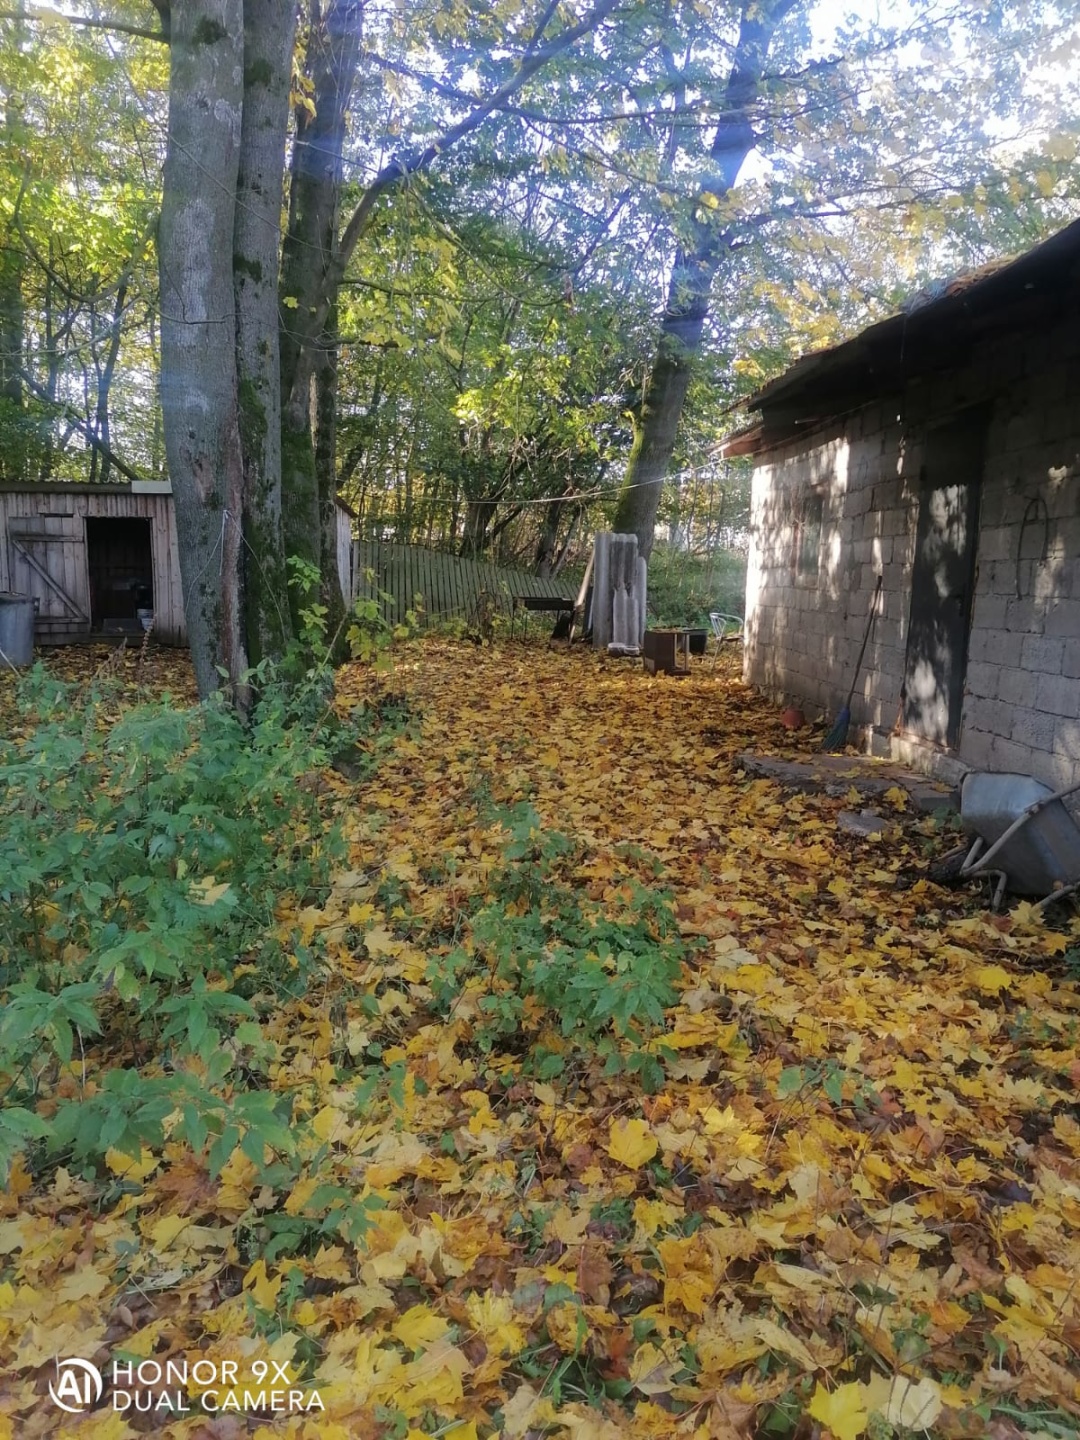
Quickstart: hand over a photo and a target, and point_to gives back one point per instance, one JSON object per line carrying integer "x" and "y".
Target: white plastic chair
{"x": 724, "y": 627}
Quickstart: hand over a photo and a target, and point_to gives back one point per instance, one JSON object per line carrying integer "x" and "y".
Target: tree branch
{"x": 402, "y": 167}
{"x": 541, "y": 26}
{"x": 84, "y": 430}
{"x": 120, "y": 27}
{"x": 705, "y": 106}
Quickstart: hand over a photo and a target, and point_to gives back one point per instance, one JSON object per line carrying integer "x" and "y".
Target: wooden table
{"x": 549, "y": 604}
{"x": 667, "y": 651}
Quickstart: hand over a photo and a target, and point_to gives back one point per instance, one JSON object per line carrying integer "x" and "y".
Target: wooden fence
{"x": 448, "y": 586}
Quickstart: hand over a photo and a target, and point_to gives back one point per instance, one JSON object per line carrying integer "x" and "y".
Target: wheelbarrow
{"x": 1022, "y": 836}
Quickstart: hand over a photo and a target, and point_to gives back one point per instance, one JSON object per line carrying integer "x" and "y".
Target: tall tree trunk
{"x": 91, "y": 412}
{"x": 198, "y": 329}
{"x": 12, "y": 316}
{"x": 326, "y": 396}
{"x": 269, "y": 32}
{"x": 697, "y": 263}
{"x": 547, "y": 545}
{"x": 308, "y": 254}
{"x": 156, "y": 437}
{"x": 478, "y": 517}
{"x": 12, "y": 346}
{"x": 560, "y": 559}
{"x": 102, "y": 426}
{"x": 46, "y": 425}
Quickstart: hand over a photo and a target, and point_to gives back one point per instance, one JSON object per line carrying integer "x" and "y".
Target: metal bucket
{"x": 16, "y": 628}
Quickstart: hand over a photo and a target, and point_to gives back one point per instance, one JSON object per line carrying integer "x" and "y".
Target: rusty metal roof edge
{"x": 961, "y": 292}
{"x": 744, "y": 441}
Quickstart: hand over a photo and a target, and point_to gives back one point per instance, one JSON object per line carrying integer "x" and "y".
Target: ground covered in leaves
{"x": 635, "y": 1099}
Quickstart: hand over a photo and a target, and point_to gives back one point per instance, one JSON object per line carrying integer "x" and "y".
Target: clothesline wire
{"x": 602, "y": 491}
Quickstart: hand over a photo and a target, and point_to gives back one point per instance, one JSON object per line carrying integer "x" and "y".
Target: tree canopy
{"x": 499, "y": 274}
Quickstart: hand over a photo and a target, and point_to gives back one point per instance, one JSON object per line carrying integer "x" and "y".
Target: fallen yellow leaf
{"x": 631, "y": 1143}
{"x": 842, "y": 1411}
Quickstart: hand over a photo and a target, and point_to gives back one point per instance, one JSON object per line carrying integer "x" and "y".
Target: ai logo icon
{"x": 77, "y": 1387}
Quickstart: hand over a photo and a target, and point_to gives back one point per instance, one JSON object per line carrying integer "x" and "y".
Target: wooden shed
{"x": 95, "y": 556}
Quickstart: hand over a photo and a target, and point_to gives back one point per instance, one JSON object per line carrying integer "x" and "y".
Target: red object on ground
{"x": 792, "y": 719}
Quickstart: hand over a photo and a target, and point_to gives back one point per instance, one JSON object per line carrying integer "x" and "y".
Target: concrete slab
{"x": 838, "y": 774}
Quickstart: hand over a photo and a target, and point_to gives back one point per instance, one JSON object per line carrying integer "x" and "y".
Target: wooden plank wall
{"x": 56, "y": 516}
{"x": 345, "y": 555}
{"x": 60, "y": 514}
{"x": 449, "y": 586}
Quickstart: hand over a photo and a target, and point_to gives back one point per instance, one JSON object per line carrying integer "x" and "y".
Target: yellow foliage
{"x": 842, "y": 1411}
{"x": 631, "y": 1143}
{"x": 862, "y": 1160}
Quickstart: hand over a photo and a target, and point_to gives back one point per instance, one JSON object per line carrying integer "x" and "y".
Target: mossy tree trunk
{"x": 269, "y": 32}
{"x": 307, "y": 290}
{"x": 326, "y": 398}
{"x": 698, "y": 261}
{"x": 198, "y": 331}
{"x": 230, "y": 64}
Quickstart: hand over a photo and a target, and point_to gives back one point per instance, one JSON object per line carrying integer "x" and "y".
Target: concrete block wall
{"x": 803, "y": 636}
{"x": 1022, "y": 694}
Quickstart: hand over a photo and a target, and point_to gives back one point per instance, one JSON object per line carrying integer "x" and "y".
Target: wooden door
{"x": 47, "y": 560}
{"x": 943, "y": 579}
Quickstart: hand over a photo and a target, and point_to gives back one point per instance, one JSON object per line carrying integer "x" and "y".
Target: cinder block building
{"x": 940, "y": 450}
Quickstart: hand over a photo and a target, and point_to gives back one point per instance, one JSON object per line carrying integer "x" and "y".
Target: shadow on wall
{"x": 942, "y": 586}
{"x": 806, "y": 620}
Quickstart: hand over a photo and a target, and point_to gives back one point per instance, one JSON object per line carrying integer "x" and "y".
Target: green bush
{"x": 683, "y": 588}
{"x": 149, "y": 860}
{"x": 550, "y": 960}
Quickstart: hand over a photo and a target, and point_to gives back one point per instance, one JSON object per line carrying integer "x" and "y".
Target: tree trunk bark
{"x": 547, "y": 545}
{"x": 696, "y": 266}
{"x": 157, "y": 439}
{"x": 198, "y": 330}
{"x": 101, "y": 418}
{"x": 13, "y": 449}
{"x": 50, "y": 354}
{"x": 309, "y": 250}
{"x": 13, "y": 443}
{"x": 479, "y": 515}
{"x": 326, "y": 395}
{"x": 269, "y": 30}
{"x": 560, "y": 559}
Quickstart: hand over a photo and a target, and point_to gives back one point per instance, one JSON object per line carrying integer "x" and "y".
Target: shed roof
{"x": 937, "y": 327}
{"x": 62, "y": 487}
{"x": 122, "y": 487}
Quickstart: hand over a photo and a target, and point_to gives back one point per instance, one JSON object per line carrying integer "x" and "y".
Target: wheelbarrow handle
{"x": 1018, "y": 824}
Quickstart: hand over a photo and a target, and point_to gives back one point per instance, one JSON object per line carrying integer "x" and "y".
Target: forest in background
{"x": 541, "y": 236}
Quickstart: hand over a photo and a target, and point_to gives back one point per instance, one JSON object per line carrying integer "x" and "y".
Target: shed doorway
{"x": 943, "y": 579}
{"x": 120, "y": 565}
